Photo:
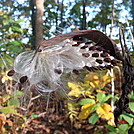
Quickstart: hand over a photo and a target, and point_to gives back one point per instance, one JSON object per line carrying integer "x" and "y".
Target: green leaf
{"x": 94, "y": 107}
{"x": 101, "y": 97}
{"x": 18, "y": 21}
{"x": 16, "y": 43}
{"x": 132, "y": 95}
{"x": 16, "y": 29}
{"x": 107, "y": 97}
{"x": 127, "y": 117}
{"x": 131, "y": 106}
{"x": 17, "y": 94}
{"x": 110, "y": 128}
{"x": 14, "y": 48}
{"x": 14, "y": 102}
{"x": 33, "y": 115}
{"x": 8, "y": 110}
{"x": 85, "y": 101}
{"x": 93, "y": 119}
{"x": 123, "y": 127}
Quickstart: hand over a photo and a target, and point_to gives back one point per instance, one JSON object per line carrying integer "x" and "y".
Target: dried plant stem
{"x": 130, "y": 34}
{"x": 111, "y": 73}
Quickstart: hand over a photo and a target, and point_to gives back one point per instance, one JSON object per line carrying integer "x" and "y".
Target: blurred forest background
{"x": 24, "y": 24}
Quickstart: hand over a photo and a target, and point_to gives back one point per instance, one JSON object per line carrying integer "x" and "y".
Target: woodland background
{"x": 24, "y": 24}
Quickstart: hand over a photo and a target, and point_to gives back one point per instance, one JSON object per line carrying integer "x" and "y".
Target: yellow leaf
{"x": 89, "y": 94}
{"x": 90, "y": 77}
{"x": 8, "y": 110}
{"x": 85, "y": 110}
{"x": 111, "y": 122}
{"x": 108, "y": 116}
{"x": 5, "y": 77}
{"x": 104, "y": 111}
{"x": 76, "y": 90}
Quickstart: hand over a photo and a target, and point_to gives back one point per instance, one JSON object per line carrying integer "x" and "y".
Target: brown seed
{"x": 113, "y": 61}
{"x": 84, "y": 47}
{"x": 92, "y": 48}
{"x": 80, "y": 42}
{"x": 95, "y": 55}
{"x": 99, "y": 61}
{"x": 19, "y": 86}
{"x": 114, "y": 64}
{"x": 77, "y": 39}
{"x": 107, "y": 60}
{"x": 23, "y": 79}
{"x": 85, "y": 54}
{"x": 58, "y": 71}
{"x": 76, "y": 72}
{"x": 75, "y": 45}
{"x": 100, "y": 48}
{"x": 87, "y": 68}
{"x": 108, "y": 51}
{"x": 101, "y": 67}
{"x": 39, "y": 50}
{"x": 108, "y": 66}
{"x": 104, "y": 54}
{"x": 11, "y": 73}
{"x": 88, "y": 43}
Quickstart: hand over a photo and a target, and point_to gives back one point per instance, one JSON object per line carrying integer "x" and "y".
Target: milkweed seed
{"x": 84, "y": 47}
{"x": 99, "y": 61}
{"x": 108, "y": 66}
{"x": 19, "y": 86}
{"x": 95, "y": 55}
{"x": 76, "y": 72}
{"x": 58, "y": 71}
{"x": 75, "y": 45}
{"x": 23, "y": 79}
{"x": 85, "y": 54}
{"x": 92, "y": 48}
{"x": 107, "y": 59}
{"x": 87, "y": 68}
{"x": 100, "y": 48}
{"x": 113, "y": 61}
{"x": 77, "y": 39}
{"x": 11, "y": 73}
{"x": 104, "y": 54}
{"x": 88, "y": 43}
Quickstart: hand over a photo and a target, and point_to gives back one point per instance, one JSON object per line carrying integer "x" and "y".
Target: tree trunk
{"x": 103, "y": 17}
{"x": 39, "y": 21}
{"x": 84, "y": 27}
{"x": 133, "y": 14}
{"x": 61, "y": 15}
{"x": 112, "y": 20}
{"x": 32, "y": 5}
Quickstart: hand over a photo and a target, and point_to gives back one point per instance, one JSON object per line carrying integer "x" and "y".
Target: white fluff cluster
{"x": 44, "y": 70}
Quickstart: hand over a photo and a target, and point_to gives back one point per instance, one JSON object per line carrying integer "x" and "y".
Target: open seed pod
{"x": 66, "y": 53}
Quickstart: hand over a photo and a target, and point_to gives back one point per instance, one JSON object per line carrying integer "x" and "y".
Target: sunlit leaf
{"x": 123, "y": 127}
{"x": 104, "y": 111}
{"x": 76, "y": 90}
{"x": 111, "y": 128}
{"x": 93, "y": 119}
{"x": 8, "y": 110}
{"x": 101, "y": 97}
{"x": 17, "y": 94}
{"x": 131, "y": 106}
{"x": 128, "y": 118}
{"x": 111, "y": 122}
{"x": 86, "y": 101}
{"x": 89, "y": 94}
{"x": 85, "y": 110}
{"x": 14, "y": 102}
{"x": 132, "y": 95}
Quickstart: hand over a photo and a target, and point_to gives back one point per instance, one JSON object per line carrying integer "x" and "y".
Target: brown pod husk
{"x": 94, "y": 35}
